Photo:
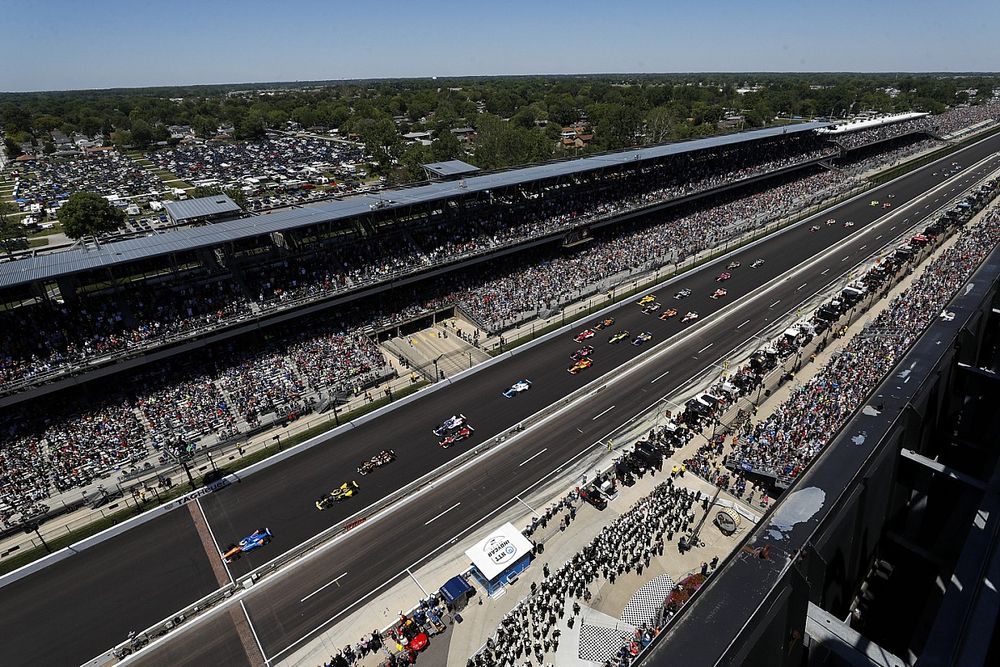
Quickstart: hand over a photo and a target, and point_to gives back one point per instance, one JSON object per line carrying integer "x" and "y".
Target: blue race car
{"x": 642, "y": 338}
{"x": 254, "y": 540}
{"x": 517, "y": 388}
{"x": 449, "y": 424}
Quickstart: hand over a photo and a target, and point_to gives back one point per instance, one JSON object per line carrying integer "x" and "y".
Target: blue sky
{"x": 63, "y": 44}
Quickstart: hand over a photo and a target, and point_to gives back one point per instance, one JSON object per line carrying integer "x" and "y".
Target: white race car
{"x": 449, "y": 424}
{"x": 517, "y": 388}
{"x": 692, "y": 315}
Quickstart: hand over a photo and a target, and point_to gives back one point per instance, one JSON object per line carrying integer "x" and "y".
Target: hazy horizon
{"x": 110, "y": 44}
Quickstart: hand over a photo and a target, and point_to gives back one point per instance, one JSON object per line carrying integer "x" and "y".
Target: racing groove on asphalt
{"x": 91, "y": 601}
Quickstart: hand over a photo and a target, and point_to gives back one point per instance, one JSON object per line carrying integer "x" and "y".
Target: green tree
{"x": 381, "y": 141}
{"x": 89, "y": 214}
{"x": 142, "y": 133}
{"x": 11, "y": 148}
{"x": 446, "y": 147}
{"x": 11, "y": 233}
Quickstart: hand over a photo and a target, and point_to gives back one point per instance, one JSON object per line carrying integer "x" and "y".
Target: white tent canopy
{"x": 503, "y": 547}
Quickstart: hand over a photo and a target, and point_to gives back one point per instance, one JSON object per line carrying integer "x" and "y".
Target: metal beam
{"x": 942, "y": 469}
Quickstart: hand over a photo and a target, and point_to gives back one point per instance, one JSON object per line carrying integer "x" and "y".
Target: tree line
{"x": 517, "y": 119}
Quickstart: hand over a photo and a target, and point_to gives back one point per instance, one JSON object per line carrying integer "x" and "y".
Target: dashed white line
{"x": 329, "y": 583}
{"x": 446, "y": 511}
{"x": 532, "y": 456}
{"x": 705, "y": 348}
{"x": 775, "y": 303}
{"x": 878, "y": 237}
{"x": 742, "y": 325}
{"x": 601, "y": 414}
{"x": 863, "y": 247}
{"x": 845, "y": 258}
{"x": 824, "y": 272}
{"x": 802, "y": 286}
{"x": 661, "y": 375}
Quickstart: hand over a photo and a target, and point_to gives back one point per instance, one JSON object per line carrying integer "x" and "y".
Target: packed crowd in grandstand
{"x": 858, "y": 138}
{"x": 99, "y": 326}
{"x": 958, "y": 120}
{"x": 234, "y": 389}
{"x": 786, "y": 441}
{"x": 858, "y": 166}
{"x": 46, "y": 450}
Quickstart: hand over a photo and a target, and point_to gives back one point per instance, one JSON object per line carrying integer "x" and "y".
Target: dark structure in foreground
{"x": 885, "y": 551}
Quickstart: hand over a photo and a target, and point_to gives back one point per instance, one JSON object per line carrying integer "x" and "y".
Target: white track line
{"x": 254, "y": 632}
{"x": 329, "y": 583}
{"x": 531, "y": 457}
{"x": 603, "y": 413}
{"x": 442, "y": 514}
{"x": 705, "y": 348}
{"x": 743, "y": 325}
{"x": 663, "y": 375}
{"x": 775, "y": 303}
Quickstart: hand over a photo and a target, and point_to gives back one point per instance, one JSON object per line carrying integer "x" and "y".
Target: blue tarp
{"x": 455, "y": 589}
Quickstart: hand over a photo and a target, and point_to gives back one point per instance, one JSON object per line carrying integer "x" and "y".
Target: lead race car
{"x": 342, "y": 492}
{"x": 649, "y": 298}
{"x": 377, "y": 461}
{"x": 461, "y": 434}
{"x": 516, "y": 388}
{"x": 449, "y": 424}
{"x": 254, "y": 540}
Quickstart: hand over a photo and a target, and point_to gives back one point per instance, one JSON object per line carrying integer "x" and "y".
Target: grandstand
{"x": 271, "y": 316}
{"x": 123, "y": 300}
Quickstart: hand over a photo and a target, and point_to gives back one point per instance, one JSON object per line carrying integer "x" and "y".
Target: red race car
{"x": 719, "y": 293}
{"x": 461, "y": 434}
{"x": 668, "y": 313}
{"x": 582, "y": 353}
{"x": 725, "y": 275}
{"x": 584, "y": 335}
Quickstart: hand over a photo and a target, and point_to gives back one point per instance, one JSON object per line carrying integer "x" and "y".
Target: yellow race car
{"x": 342, "y": 492}
{"x": 586, "y": 362}
{"x": 649, "y": 298}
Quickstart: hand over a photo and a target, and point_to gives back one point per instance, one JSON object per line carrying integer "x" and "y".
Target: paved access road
{"x": 91, "y": 601}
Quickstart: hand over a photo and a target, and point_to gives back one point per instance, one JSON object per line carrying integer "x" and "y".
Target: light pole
{"x": 437, "y": 373}
{"x": 277, "y": 439}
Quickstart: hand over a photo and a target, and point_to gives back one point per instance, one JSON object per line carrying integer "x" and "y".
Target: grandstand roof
{"x": 450, "y": 168}
{"x": 47, "y": 266}
{"x": 857, "y": 125}
{"x": 202, "y": 207}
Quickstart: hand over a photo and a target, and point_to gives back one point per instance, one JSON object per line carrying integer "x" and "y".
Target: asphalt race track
{"x": 80, "y": 607}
